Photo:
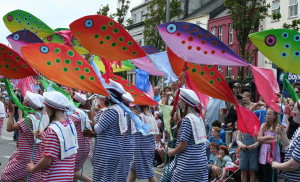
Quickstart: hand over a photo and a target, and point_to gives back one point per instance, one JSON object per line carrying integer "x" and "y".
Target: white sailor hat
{"x": 81, "y": 98}
{"x": 117, "y": 86}
{"x": 127, "y": 97}
{"x": 189, "y": 97}
{"x": 34, "y": 101}
{"x": 56, "y": 100}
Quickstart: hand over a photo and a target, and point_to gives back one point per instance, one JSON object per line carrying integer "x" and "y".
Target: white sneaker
{"x": 161, "y": 166}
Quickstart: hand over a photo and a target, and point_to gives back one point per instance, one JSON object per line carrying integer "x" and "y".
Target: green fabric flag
{"x": 290, "y": 89}
{"x": 166, "y": 111}
{"x": 55, "y": 87}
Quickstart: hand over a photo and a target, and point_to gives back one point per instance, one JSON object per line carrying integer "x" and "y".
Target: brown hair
{"x": 223, "y": 147}
{"x": 217, "y": 129}
{"x": 214, "y": 145}
{"x": 269, "y": 126}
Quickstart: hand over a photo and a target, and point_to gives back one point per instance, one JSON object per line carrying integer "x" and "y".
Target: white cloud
{"x": 55, "y": 13}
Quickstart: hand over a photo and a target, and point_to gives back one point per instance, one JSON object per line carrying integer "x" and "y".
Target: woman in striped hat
{"x": 82, "y": 123}
{"x": 142, "y": 165}
{"x": 59, "y": 142}
{"x": 190, "y": 162}
{"x": 16, "y": 167}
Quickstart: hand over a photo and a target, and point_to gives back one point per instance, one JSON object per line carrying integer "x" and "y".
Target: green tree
{"x": 156, "y": 16}
{"x": 294, "y": 25}
{"x": 246, "y": 16}
{"x": 103, "y": 10}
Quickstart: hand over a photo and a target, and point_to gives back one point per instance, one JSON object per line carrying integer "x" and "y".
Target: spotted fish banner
{"x": 63, "y": 65}
{"x": 281, "y": 46}
{"x": 106, "y": 38}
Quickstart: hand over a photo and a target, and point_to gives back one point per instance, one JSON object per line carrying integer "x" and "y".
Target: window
{"x": 293, "y": 8}
{"x": 229, "y": 72}
{"x": 220, "y": 32}
{"x": 142, "y": 15}
{"x": 275, "y": 9}
{"x": 230, "y": 38}
{"x": 134, "y": 18}
{"x": 213, "y": 31}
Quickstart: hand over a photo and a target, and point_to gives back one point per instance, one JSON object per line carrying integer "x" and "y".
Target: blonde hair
{"x": 217, "y": 129}
{"x": 268, "y": 125}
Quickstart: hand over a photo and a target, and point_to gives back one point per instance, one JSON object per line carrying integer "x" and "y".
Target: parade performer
{"x": 190, "y": 162}
{"x": 128, "y": 143}
{"x": 16, "y": 168}
{"x": 291, "y": 165}
{"x": 142, "y": 164}
{"x": 59, "y": 142}
{"x": 82, "y": 123}
{"x": 110, "y": 129}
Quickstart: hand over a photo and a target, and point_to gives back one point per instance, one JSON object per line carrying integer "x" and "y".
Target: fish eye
{"x": 88, "y": 23}
{"x": 44, "y": 49}
{"x": 285, "y": 35}
{"x": 297, "y": 37}
{"x": 171, "y": 28}
{"x": 270, "y": 40}
{"x": 16, "y": 37}
{"x": 297, "y": 53}
{"x": 283, "y": 54}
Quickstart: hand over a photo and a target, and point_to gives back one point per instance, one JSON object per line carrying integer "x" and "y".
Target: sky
{"x": 56, "y": 13}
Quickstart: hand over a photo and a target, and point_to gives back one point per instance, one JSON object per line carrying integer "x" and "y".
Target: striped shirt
{"x": 16, "y": 167}
{"x": 59, "y": 169}
{"x": 108, "y": 149}
{"x": 293, "y": 152}
{"x": 191, "y": 164}
{"x": 83, "y": 142}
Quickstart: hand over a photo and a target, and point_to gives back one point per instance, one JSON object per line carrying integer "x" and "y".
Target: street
{"x": 8, "y": 145}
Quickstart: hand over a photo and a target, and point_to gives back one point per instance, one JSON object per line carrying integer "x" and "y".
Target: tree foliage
{"x": 120, "y": 15}
{"x": 294, "y": 25}
{"x": 246, "y": 17}
{"x": 156, "y": 16}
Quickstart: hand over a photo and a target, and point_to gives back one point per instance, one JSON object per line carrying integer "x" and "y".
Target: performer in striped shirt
{"x": 59, "y": 142}
{"x": 82, "y": 123}
{"x": 291, "y": 164}
{"x": 142, "y": 165}
{"x": 16, "y": 167}
{"x": 190, "y": 162}
{"x": 110, "y": 139}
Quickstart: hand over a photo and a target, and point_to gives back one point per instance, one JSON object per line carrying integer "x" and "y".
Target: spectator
{"x": 156, "y": 92}
{"x": 222, "y": 159}
{"x": 214, "y": 149}
{"x": 231, "y": 117}
{"x": 215, "y": 136}
{"x": 237, "y": 89}
{"x": 157, "y": 159}
{"x": 230, "y": 166}
{"x": 234, "y": 133}
{"x": 167, "y": 98}
{"x": 266, "y": 137}
{"x": 246, "y": 100}
{"x": 215, "y": 111}
{"x": 216, "y": 123}
{"x": 248, "y": 156}
{"x": 291, "y": 125}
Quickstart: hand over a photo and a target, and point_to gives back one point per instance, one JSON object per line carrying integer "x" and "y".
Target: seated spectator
{"x": 233, "y": 145}
{"x": 215, "y": 132}
{"x": 222, "y": 159}
{"x": 214, "y": 149}
{"x": 230, "y": 166}
{"x": 157, "y": 159}
{"x": 217, "y": 123}
{"x": 158, "y": 121}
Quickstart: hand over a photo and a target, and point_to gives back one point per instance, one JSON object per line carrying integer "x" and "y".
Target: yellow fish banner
{"x": 124, "y": 65}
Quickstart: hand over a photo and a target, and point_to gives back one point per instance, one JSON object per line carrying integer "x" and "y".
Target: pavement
{"x": 8, "y": 145}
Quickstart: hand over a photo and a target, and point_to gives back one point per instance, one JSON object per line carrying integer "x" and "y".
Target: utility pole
{"x": 168, "y": 11}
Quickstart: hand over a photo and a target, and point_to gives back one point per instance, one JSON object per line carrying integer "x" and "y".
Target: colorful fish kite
{"x": 106, "y": 38}
{"x": 209, "y": 81}
{"x": 22, "y": 38}
{"x": 63, "y": 65}
{"x": 21, "y": 20}
{"x": 281, "y": 46}
{"x": 12, "y": 65}
{"x": 195, "y": 44}
{"x": 140, "y": 98}
{"x": 125, "y": 65}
